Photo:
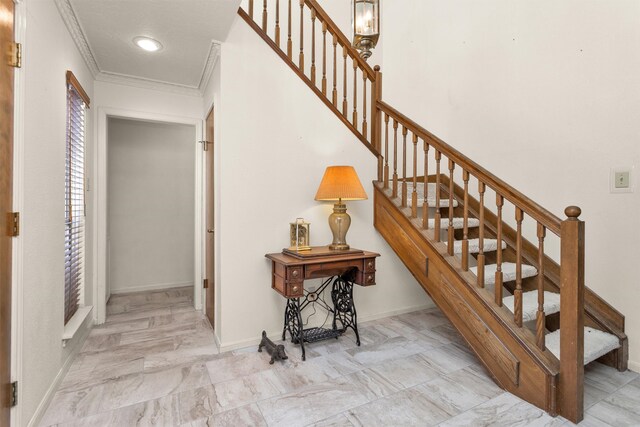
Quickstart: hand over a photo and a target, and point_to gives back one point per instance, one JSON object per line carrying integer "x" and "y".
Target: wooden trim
{"x": 73, "y": 81}
{"x": 6, "y": 207}
{"x": 305, "y": 79}
{"x": 531, "y": 208}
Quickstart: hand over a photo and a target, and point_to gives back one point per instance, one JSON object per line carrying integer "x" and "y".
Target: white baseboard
{"x": 46, "y": 400}
{"x": 634, "y": 366}
{"x": 151, "y": 287}
{"x": 277, "y": 335}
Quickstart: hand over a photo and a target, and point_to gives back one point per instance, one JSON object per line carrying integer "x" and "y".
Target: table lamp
{"x": 340, "y": 183}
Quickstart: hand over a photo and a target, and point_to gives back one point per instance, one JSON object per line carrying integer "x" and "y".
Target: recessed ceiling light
{"x": 147, "y": 43}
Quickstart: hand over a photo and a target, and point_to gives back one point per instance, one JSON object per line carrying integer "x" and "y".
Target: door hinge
{"x": 15, "y": 58}
{"x": 14, "y": 224}
{"x": 14, "y": 394}
{"x": 205, "y": 145}
{"x": 205, "y": 283}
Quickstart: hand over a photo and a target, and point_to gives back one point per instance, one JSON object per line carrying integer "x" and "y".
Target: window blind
{"x": 74, "y": 197}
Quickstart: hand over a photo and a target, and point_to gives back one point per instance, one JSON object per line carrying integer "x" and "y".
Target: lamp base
{"x": 339, "y": 223}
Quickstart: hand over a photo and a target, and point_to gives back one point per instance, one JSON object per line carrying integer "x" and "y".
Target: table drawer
{"x": 365, "y": 279}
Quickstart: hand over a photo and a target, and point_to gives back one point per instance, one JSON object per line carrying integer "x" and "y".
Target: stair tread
{"x": 458, "y": 223}
{"x": 596, "y": 343}
{"x": 490, "y": 245}
{"x": 431, "y": 196}
{"x": 530, "y": 304}
{"x": 508, "y": 272}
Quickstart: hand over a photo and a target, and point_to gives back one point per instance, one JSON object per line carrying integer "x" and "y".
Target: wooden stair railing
{"x": 325, "y": 61}
{"x": 431, "y": 181}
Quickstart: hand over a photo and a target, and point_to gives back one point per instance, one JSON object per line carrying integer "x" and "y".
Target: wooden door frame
{"x": 213, "y": 285}
{"x": 100, "y": 201}
{"x": 20, "y": 18}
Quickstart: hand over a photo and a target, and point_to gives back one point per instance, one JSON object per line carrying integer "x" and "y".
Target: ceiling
{"x": 189, "y": 30}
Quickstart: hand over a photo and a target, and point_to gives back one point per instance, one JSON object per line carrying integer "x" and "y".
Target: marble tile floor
{"x": 154, "y": 363}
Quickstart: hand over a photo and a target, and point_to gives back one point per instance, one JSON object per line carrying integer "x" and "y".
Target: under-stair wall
{"x": 422, "y": 184}
{"x": 273, "y": 144}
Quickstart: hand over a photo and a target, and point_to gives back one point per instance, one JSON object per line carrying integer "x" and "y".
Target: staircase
{"x": 506, "y": 272}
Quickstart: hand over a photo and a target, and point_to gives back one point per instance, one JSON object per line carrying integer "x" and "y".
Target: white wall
{"x": 544, "y": 94}
{"x": 275, "y": 138}
{"x": 151, "y": 205}
{"x": 49, "y": 52}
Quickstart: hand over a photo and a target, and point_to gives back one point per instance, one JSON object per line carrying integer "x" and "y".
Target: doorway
{"x": 103, "y": 239}
{"x": 209, "y": 251}
{"x": 151, "y": 206}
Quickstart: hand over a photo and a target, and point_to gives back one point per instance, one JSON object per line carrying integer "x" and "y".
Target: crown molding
{"x": 77, "y": 34}
{"x": 71, "y": 21}
{"x": 141, "y": 82}
{"x": 210, "y": 64}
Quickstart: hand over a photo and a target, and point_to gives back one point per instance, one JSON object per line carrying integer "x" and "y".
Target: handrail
{"x": 334, "y": 29}
{"x": 537, "y": 212}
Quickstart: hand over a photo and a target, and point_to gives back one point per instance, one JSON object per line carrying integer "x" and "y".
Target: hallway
{"x": 155, "y": 363}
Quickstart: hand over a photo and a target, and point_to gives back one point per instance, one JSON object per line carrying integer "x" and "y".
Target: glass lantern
{"x": 365, "y": 22}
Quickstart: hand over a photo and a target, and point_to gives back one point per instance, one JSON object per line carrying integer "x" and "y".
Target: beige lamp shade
{"x": 341, "y": 182}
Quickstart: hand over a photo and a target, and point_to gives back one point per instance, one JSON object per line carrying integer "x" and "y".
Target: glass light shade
{"x": 365, "y": 23}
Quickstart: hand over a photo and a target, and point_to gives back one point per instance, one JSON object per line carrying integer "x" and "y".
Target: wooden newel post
{"x": 376, "y": 119}
{"x": 571, "y": 380}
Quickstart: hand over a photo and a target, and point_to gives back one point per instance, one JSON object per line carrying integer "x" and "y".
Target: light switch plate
{"x": 621, "y": 179}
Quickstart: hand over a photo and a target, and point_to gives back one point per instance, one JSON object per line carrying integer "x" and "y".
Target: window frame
{"x": 75, "y": 204}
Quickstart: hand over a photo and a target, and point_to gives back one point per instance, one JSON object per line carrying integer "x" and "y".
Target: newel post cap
{"x": 376, "y": 68}
{"x": 572, "y": 212}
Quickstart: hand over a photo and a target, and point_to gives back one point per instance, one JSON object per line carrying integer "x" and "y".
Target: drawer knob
{"x": 295, "y": 289}
{"x": 369, "y": 278}
{"x": 370, "y": 264}
{"x": 295, "y": 273}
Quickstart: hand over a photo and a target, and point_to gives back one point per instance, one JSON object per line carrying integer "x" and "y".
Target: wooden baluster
{"x": 355, "y": 93}
{"x": 277, "y": 30}
{"x": 301, "y": 59}
{"x": 386, "y": 151}
{"x": 414, "y": 193}
{"x": 264, "y": 16}
{"x": 498, "y": 288}
{"x": 251, "y": 9}
{"x": 425, "y": 203}
{"x": 480, "y": 267}
{"x": 395, "y": 159}
{"x": 313, "y": 46}
{"x": 334, "y": 93}
{"x": 289, "y": 42}
{"x": 404, "y": 166}
{"x": 517, "y": 294}
{"x": 364, "y": 104}
{"x": 344, "y": 81}
{"x": 376, "y": 113}
{"x": 540, "y": 317}
{"x": 571, "y": 378}
{"x": 324, "y": 58}
{"x": 438, "y": 216}
{"x": 450, "y": 230}
{"x": 465, "y": 224}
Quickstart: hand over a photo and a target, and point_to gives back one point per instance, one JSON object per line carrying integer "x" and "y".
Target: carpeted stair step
{"x": 458, "y": 223}
{"x": 596, "y": 343}
{"x": 508, "y": 272}
{"x": 490, "y": 245}
{"x": 431, "y": 196}
{"x": 530, "y": 304}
